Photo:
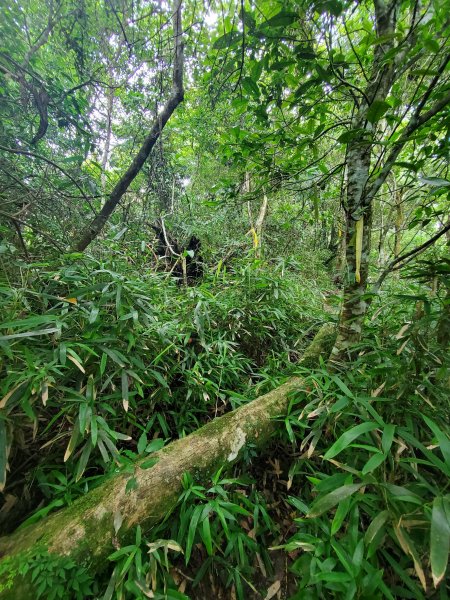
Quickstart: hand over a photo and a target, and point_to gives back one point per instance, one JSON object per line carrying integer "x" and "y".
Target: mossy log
{"x": 85, "y": 531}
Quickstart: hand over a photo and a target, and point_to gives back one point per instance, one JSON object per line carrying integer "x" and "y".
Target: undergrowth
{"x": 100, "y": 368}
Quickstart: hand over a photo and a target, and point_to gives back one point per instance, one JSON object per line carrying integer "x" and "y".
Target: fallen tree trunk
{"x": 85, "y": 530}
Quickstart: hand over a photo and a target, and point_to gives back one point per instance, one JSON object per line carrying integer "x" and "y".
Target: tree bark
{"x": 85, "y": 530}
{"x": 109, "y": 118}
{"x": 360, "y": 190}
{"x": 259, "y": 225}
{"x": 177, "y": 96}
{"x": 399, "y": 218}
{"x": 358, "y": 206}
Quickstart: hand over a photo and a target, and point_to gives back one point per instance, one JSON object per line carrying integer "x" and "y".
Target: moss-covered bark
{"x": 85, "y": 530}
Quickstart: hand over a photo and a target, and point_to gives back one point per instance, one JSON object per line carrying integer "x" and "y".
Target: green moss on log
{"x": 321, "y": 345}
{"x": 84, "y": 531}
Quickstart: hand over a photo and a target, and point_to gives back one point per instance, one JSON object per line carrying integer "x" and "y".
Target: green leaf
{"x": 432, "y": 45}
{"x": 132, "y": 484}
{"x": 333, "y": 577}
{"x": 228, "y": 39}
{"x": 82, "y": 463}
{"x": 117, "y": 357}
{"x": 334, "y": 7}
{"x": 333, "y": 498}
{"x": 62, "y": 353}
{"x": 124, "y": 551}
{"x": 341, "y": 513}
{"x": 154, "y": 445}
{"x": 94, "y": 430}
{"x": 441, "y": 437}
{"x": 93, "y": 315}
{"x": 408, "y": 165}
{"x": 29, "y": 334}
{"x": 103, "y": 363}
{"x": 247, "y": 18}
{"x": 374, "y": 461}
{"x": 403, "y": 494}
{"x": 125, "y": 393}
{"x": 250, "y": 86}
{"x": 282, "y": 19}
{"x": 375, "y": 526}
{"x": 435, "y": 181}
{"x": 192, "y": 530}
{"x": 142, "y": 443}
{"x": 440, "y": 538}
{"x": 159, "y": 378}
{"x": 28, "y": 322}
{"x": 347, "y": 438}
{"x": 376, "y": 110}
{"x": 323, "y": 74}
{"x": 343, "y": 387}
{"x": 206, "y": 535}
{"x": 149, "y": 463}
{"x": 351, "y": 135}
{"x": 388, "y": 438}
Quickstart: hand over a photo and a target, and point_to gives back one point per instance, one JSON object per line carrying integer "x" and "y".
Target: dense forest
{"x": 225, "y": 299}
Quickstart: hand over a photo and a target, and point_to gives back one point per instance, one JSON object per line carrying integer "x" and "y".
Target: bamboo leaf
{"x": 347, "y": 438}
{"x": 439, "y": 538}
{"x": 72, "y": 442}
{"x": 333, "y": 498}
{"x": 388, "y": 437}
{"x": 441, "y": 437}
{"x": 83, "y": 460}
{"x": 125, "y": 392}
{"x": 375, "y": 526}
{"x": 374, "y": 461}
{"x": 192, "y": 529}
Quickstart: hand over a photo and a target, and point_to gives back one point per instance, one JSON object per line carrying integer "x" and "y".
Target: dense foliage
{"x": 299, "y": 178}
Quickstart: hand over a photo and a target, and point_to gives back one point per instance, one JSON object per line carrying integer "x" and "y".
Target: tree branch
{"x": 408, "y": 257}
{"x": 177, "y": 96}
{"x": 15, "y": 220}
{"x": 53, "y": 164}
{"x": 415, "y": 123}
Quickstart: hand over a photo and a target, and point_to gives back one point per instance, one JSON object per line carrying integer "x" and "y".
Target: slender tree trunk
{"x": 339, "y": 266}
{"x": 399, "y": 219}
{"x": 358, "y": 209}
{"x": 443, "y": 325}
{"x": 95, "y": 227}
{"x": 354, "y": 303}
{"x": 109, "y": 116}
{"x": 259, "y": 225}
{"x": 85, "y": 531}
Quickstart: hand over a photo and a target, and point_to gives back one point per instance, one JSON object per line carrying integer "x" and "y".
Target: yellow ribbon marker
{"x": 255, "y": 237}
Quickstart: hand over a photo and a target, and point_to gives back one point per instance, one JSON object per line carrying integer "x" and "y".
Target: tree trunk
{"x": 339, "y": 266}
{"x": 259, "y": 225}
{"x": 358, "y": 206}
{"x": 443, "y": 325}
{"x": 85, "y": 530}
{"x": 95, "y": 227}
{"x": 361, "y": 191}
{"x": 354, "y": 303}
{"x": 109, "y": 117}
{"x": 399, "y": 218}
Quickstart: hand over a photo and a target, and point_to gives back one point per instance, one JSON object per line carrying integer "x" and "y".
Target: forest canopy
{"x": 225, "y": 299}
